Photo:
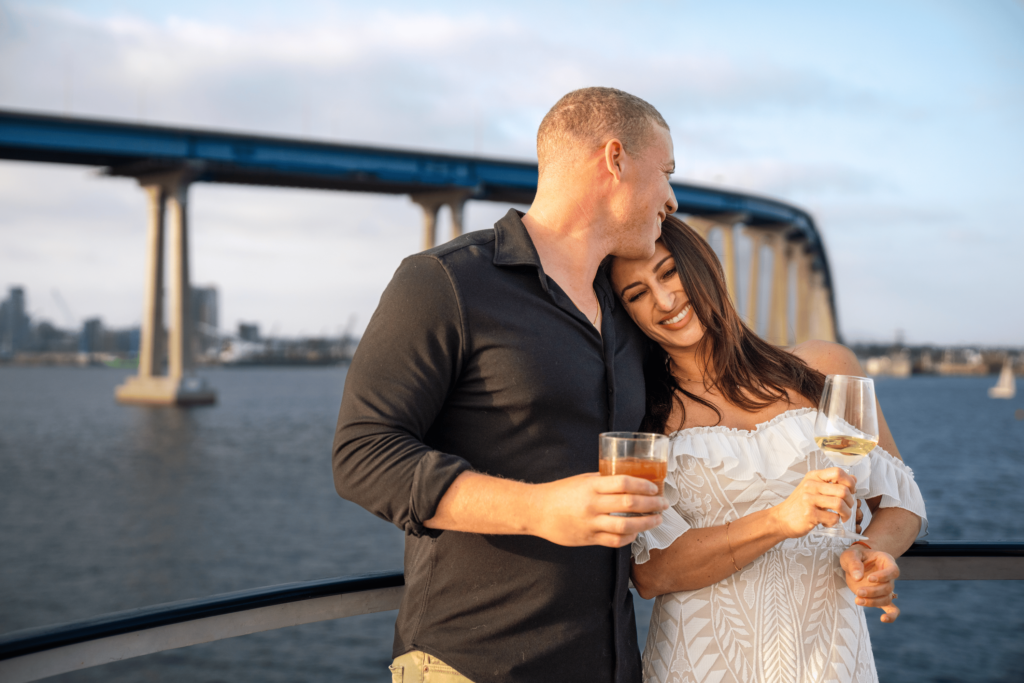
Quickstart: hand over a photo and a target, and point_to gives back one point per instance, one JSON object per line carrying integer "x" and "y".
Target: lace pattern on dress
{"x": 768, "y": 452}
{"x": 788, "y": 615}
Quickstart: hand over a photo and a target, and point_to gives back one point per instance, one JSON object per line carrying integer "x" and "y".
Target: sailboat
{"x": 1006, "y": 387}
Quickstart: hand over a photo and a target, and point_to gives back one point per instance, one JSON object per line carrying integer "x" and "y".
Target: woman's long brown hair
{"x": 747, "y": 371}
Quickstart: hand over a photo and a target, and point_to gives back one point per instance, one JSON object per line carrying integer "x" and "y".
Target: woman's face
{"x": 653, "y": 294}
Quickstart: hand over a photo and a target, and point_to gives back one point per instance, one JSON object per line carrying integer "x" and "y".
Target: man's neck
{"x": 570, "y": 242}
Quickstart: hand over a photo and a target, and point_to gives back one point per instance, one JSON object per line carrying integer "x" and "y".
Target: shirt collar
{"x": 514, "y": 247}
{"x": 512, "y": 243}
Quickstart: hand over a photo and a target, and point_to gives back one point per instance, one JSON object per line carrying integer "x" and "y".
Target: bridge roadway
{"x": 166, "y": 160}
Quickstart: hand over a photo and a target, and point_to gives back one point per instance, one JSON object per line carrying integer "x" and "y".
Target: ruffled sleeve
{"x": 891, "y": 479}
{"x": 673, "y": 524}
{"x": 660, "y": 537}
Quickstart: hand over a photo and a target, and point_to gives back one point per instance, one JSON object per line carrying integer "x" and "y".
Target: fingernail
{"x": 862, "y": 593}
{"x": 873, "y": 579}
{"x": 858, "y": 575}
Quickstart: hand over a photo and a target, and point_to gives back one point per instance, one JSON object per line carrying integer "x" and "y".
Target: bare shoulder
{"x": 828, "y": 358}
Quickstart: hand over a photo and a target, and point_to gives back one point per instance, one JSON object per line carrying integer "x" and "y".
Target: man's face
{"x": 644, "y": 197}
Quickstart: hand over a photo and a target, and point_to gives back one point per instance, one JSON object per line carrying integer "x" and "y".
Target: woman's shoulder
{"x": 828, "y": 358}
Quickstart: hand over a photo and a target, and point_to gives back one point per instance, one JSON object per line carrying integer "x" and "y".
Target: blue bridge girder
{"x": 137, "y": 150}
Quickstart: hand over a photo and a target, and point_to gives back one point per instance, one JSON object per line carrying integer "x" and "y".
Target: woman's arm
{"x": 870, "y": 573}
{"x": 701, "y": 557}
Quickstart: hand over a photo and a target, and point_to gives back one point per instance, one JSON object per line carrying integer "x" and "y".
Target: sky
{"x": 898, "y": 125}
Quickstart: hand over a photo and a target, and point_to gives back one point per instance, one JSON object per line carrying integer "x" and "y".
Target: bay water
{"x": 106, "y": 507}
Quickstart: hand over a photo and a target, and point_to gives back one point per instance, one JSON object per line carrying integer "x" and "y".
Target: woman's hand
{"x": 812, "y": 500}
{"x": 871, "y": 575}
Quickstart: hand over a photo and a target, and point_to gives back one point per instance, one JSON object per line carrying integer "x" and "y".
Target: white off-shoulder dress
{"x": 788, "y": 616}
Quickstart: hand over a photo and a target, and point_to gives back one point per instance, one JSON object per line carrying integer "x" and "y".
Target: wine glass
{"x": 846, "y": 429}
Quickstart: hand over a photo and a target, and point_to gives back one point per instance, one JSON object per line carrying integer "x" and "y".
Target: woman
{"x": 744, "y": 591}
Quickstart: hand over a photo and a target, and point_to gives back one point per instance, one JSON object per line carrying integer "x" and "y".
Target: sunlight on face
{"x": 646, "y": 197}
{"x": 653, "y": 294}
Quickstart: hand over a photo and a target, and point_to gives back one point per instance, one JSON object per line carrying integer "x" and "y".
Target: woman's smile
{"x": 653, "y": 293}
{"x": 679, "y": 320}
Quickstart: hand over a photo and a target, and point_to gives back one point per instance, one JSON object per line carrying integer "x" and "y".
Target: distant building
{"x": 91, "y": 338}
{"x": 962, "y": 362}
{"x": 95, "y": 338}
{"x": 926, "y": 365}
{"x": 205, "y": 320}
{"x": 14, "y": 323}
{"x": 895, "y": 364}
{"x": 5, "y": 345}
{"x": 48, "y": 338}
{"x": 124, "y": 341}
{"x": 249, "y": 332}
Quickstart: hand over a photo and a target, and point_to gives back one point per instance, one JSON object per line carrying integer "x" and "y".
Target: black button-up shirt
{"x": 476, "y": 360}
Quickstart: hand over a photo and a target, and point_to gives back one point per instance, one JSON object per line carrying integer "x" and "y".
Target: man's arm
{"x": 407, "y": 362}
{"x": 573, "y": 511}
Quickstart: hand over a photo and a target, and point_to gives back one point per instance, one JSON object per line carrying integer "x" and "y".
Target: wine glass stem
{"x": 853, "y": 512}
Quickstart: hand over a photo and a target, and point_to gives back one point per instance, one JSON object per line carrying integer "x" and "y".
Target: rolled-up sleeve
{"x": 406, "y": 363}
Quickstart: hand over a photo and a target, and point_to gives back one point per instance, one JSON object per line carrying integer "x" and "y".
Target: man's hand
{"x": 573, "y": 511}
{"x": 871, "y": 575}
{"x": 579, "y": 510}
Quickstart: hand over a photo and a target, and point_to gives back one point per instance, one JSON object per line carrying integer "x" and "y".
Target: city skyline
{"x": 895, "y": 125}
{"x": 256, "y": 329}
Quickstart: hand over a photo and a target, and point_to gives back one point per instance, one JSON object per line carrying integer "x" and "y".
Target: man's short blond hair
{"x": 588, "y": 118}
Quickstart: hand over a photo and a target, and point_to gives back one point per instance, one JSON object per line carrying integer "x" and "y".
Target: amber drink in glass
{"x": 635, "y": 454}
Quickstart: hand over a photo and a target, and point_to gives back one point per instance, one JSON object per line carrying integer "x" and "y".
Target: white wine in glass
{"x": 846, "y": 429}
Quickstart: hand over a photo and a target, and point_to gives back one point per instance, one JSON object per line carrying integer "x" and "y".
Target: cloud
{"x": 404, "y": 78}
{"x": 839, "y": 214}
{"x": 429, "y": 77}
{"x": 793, "y": 179}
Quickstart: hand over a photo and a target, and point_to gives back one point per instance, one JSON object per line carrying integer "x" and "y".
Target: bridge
{"x": 166, "y": 161}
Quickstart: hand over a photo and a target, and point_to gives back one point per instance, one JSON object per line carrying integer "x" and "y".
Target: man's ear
{"x": 615, "y": 158}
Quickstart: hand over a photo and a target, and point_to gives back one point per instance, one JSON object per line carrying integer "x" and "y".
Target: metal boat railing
{"x": 36, "y": 653}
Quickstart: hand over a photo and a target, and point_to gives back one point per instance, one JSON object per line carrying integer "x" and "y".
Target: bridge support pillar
{"x": 726, "y": 224}
{"x": 151, "y": 333}
{"x": 823, "y": 324}
{"x": 803, "y": 297}
{"x": 179, "y": 386}
{"x": 778, "y": 317}
{"x": 702, "y": 226}
{"x": 729, "y": 259}
{"x": 757, "y": 240}
{"x": 431, "y": 203}
{"x": 429, "y": 225}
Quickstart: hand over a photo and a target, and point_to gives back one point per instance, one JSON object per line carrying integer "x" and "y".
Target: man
{"x": 472, "y": 409}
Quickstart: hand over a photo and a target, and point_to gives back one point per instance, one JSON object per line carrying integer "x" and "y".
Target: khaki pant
{"x": 419, "y": 667}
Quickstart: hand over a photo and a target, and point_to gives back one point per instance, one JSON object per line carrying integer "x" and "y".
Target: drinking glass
{"x": 636, "y": 454}
{"x": 846, "y": 429}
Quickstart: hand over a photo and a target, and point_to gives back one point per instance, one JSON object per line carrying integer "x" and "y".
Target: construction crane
{"x": 70, "y": 318}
